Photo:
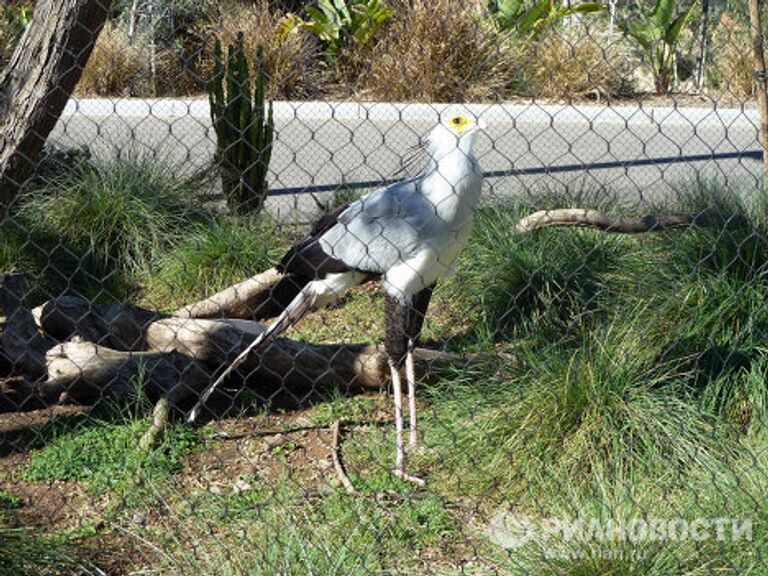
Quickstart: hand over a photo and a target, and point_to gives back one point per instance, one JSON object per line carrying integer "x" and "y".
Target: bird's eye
{"x": 457, "y": 120}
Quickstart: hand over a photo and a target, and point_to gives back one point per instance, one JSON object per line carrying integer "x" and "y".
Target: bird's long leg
{"x": 396, "y": 346}
{"x": 397, "y": 389}
{"x": 410, "y": 377}
{"x": 414, "y": 321}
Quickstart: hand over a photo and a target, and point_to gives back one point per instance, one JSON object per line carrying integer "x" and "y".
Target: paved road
{"x": 634, "y": 152}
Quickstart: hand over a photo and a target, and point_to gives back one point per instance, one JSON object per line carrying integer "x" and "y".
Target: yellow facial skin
{"x": 460, "y": 124}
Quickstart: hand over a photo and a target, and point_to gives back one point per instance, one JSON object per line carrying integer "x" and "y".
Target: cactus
{"x": 244, "y": 127}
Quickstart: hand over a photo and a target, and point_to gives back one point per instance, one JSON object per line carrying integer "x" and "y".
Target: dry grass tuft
{"x": 732, "y": 62}
{"x": 433, "y": 50}
{"x": 576, "y": 62}
{"x": 116, "y": 67}
{"x": 291, "y": 64}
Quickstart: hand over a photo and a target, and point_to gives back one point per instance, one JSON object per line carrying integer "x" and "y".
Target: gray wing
{"x": 383, "y": 228}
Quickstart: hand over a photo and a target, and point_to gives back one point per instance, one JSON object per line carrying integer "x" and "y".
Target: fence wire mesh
{"x": 590, "y": 375}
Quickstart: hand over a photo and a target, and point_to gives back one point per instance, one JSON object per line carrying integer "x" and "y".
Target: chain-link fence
{"x": 559, "y": 370}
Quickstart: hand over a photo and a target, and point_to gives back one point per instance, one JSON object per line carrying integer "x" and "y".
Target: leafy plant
{"x": 658, "y": 35}
{"x": 18, "y": 15}
{"x": 14, "y": 19}
{"x": 341, "y": 23}
{"x": 529, "y": 20}
{"x": 244, "y": 127}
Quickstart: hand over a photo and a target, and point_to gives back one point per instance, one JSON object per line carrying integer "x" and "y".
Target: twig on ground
{"x": 337, "y": 462}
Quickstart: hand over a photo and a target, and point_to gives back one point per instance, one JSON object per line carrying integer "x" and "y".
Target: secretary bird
{"x": 407, "y": 234}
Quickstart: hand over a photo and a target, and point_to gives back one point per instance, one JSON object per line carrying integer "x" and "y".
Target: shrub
{"x": 117, "y": 66}
{"x": 435, "y": 51}
{"x": 657, "y": 34}
{"x": 732, "y": 63}
{"x": 290, "y": 60}
{"x": 343, "y": 25}
{"x": 577, "y": 61}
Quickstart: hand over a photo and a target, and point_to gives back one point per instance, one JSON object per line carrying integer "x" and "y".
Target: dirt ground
{"x": 267, "y": 447}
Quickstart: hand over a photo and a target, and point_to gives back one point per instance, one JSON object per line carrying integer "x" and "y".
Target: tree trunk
{"x": 36, "y": 84}
{"x": 760, "y": 77}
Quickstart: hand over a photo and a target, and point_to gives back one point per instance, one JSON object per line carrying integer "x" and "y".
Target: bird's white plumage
{"x": 412, "y": 232}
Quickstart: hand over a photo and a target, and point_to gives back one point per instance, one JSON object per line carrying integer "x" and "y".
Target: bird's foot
{"x": 420, "y": 482}
{"x": 193, "y": 415}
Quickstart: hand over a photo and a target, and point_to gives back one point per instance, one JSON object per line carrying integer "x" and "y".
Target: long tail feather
{"x": 294, "y": 312}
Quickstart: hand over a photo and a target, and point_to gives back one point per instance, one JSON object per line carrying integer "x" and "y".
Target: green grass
{"x": 734, "y": 493}
{"x": 104, "y": 455}
{"x": 26, "y": 552}
{"x": 121, "y": 212}
{"x": 288, "y": 533}
{"x": 93, "y": 229}
{"x": 8, "y": 501}
{"x": 211, "y": 257}
{"x": 633, "y": 386}
{"x": 541, "y": 285}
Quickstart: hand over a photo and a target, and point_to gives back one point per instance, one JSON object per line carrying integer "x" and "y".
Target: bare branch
{"x": 338, "y": 465}
{"x": 586, "y": 218}
{"x": 247, "y": 299}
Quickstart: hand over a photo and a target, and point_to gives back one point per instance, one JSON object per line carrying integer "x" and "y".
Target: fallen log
{"x": 18, "y": 394}
{"x": 23, "y": 346}
{"x": 170, "y": 358}
{"x": 181, "y": 355}
{"x": 85, "y": 372}
{"x": 119, "y": 326}
{"x": 285, "y": 362}
{"x": 249, "y": 299}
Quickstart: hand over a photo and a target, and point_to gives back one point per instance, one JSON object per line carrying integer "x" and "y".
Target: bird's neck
{"x": 454, "y": 173}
